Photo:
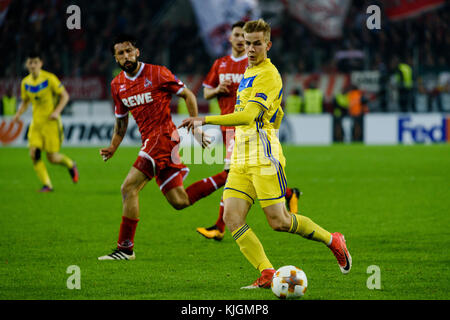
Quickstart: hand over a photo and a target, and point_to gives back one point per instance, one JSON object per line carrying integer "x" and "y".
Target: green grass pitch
{"x": 391, "y": 202}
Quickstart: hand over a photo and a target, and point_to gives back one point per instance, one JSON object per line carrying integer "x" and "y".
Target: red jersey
{"x": 227, "y": 68}
{"x": 147, "y": 96}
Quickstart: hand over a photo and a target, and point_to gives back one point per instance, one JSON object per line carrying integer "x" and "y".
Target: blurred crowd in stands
{"x": 31, "y": 24}
{"x": 422, "y": 43}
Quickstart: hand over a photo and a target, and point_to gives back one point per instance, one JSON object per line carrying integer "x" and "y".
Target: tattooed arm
{"x": 120, "y": 129}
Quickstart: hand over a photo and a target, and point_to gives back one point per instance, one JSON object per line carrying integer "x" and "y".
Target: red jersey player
{"x": 145, "y": 90}
{"x": 222, "y": 82}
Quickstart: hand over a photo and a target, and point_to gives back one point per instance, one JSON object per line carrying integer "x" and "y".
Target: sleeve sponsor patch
{"x": 261, "y": 95}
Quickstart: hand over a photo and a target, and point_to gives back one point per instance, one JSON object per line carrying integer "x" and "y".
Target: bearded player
{"x": 222, "y": 83}
{"x": 145, "y": 90}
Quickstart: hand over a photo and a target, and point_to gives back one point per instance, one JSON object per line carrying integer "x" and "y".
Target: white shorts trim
{"x": 147, "y": 156}
{"x": 213, "y": 182}
{"x": 120, "y": 115}
{"x": 180, "y": 90}
{"x": 172, "y": 177}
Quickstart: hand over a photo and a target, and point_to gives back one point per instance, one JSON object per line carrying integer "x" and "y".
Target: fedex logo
{"x": 138, "y": 99}
{"x": 434, "y": 130}
{"x": 233, "y": 77}
{"x": 9, "y": 132}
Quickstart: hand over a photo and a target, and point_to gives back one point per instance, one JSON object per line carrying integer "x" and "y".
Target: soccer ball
{"x": 289, "y": 282}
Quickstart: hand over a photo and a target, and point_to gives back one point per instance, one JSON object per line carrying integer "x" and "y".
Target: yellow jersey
{"x": 257, "y": 144}
{"x": 43, "y": 93}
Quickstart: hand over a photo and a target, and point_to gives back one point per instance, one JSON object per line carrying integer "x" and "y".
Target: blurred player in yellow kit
{"x": 48, "y": 98}
{"x": 257, "y": 163}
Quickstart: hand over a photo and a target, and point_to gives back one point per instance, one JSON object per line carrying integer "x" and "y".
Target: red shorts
{"x": 169, "y": 171}
{"x": 228, "y": 140}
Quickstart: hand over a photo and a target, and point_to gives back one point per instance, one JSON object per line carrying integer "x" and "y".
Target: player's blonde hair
{"x": 258, "y": 26}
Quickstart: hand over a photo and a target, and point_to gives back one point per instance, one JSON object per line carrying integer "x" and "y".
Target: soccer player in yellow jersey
{"x": 257, "y": 164}
{"x": 48, "y": 98}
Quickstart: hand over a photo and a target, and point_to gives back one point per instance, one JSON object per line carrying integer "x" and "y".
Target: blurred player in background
{"x": 257, "y": 163}
{"x": 48, "y": 98}
{"x": 145, "y": 90}
{"x": 222, "y": 82}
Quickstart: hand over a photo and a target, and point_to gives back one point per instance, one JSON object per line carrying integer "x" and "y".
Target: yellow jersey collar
{"x": 38, "y": 76}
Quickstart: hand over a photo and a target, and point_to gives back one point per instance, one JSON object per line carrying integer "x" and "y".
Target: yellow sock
{"x": 251, "y": 247}
{"x": 42, "y": 173}
{"x": 66, "y": 161}
{"x": 305, "y": 227}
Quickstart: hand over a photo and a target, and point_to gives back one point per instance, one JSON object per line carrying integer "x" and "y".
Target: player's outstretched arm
{"x": 241, "y": 118}
{"x": 22, "y": 108}
{"x": 191, "y": 101}
{"x": 63, "y": 100}
{"x": 191, "y": 104}
{"x": 120, "y": 129}
{"x": 192, "y": 123}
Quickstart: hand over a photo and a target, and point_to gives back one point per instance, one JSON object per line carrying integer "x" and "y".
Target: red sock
{"x": 220, "y": 224}
{"x": 205, "y": 187}
{"x": 288, "y": 193}
{"x": 126, "y": 234}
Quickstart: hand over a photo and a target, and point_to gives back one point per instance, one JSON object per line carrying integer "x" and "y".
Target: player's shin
{"x": 305, "y": 227}
{"x": 126, "y": 234}
{"x": 251, "y": 247}
{"x": 60, "y": 159}
{"x": 42, "y": 173}
{"x": 220, "y": 223}
{"x": 66, "y": 161}
{"x": 205, "y": 187}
